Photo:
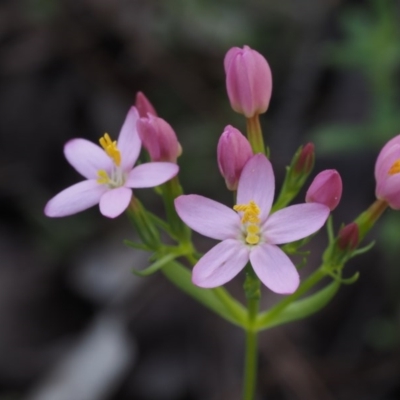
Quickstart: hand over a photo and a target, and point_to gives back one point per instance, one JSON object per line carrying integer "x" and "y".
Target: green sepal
{"x": 299, "y": 309}
{"x": 363, "y": 250}
{"x": 217, "y": 300}
{"x": 155, "y": 266}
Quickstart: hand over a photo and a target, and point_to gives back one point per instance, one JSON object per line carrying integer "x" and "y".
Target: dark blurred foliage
{"x": 74, "y": 322}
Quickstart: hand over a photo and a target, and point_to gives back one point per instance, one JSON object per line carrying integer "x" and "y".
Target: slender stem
{"x": 254, "y": 134}
{"x": 253, "y": 294}
{"x": 250, "y": 372}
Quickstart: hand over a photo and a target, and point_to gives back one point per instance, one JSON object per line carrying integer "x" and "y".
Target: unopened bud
{"x": 348, "y": 237}
{"x": 144, "y": 106}
{"x": 233, "y": 152}
{"x": 159, "y": 139}
{"x": 326, "y": 188}
{"x": 248, "y": 81}
{"x": 305, "y": 161}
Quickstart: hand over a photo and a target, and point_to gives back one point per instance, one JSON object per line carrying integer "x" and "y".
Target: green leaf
{"x": 217, "y": 300}
{"x": 300, "y": 309}
{"x": 139, "y": 246}
{"x": 155, "y": 266}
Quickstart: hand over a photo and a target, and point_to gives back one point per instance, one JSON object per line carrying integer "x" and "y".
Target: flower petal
{"x": 295, "y": 222}
{"x": 208, "y": 217}
{"x": 74, "y": 199}
{"x": 274, "y": 268}
{"x": 151, "y": 174}
{"x": 86, "y": 157}
{"x": 128, "y": 140}
{"x": 221, "y": 264}
{"x": 257, "y": 182}
{"x": 114, "y": 202}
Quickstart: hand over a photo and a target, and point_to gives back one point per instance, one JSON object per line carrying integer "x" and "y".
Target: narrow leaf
{"x": 155, "y": 266}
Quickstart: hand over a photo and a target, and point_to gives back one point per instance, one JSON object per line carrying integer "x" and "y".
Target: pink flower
{"x": 109, "y": 173}
{"x": 144, "y": 106}
{"x": 250, "y": 233}
{"x": 326, "y": 188}
{"x": 387, "y": 173}
{"x": 233, "y": 152}
{"x": 248, "y": 81}
{"x": 159, "y": 139}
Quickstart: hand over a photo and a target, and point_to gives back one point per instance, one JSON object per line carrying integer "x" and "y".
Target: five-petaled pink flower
{"x": 387, "y": 173}
{"x": 249, "y": 232}
{"x": 109, "y": 172}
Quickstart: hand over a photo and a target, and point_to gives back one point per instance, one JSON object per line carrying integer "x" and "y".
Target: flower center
{"x": 250, "y": 220}
{"x": 395, "y": 168}
{"x": 110, "y": 147}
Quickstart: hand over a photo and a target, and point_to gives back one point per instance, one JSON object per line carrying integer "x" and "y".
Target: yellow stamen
{"x": 251, "y": 212}
{"x": 110, "y": 147}
{"x": 395, "y": 168}
{"x": 103, "y": 177}
{"x": 250, "y": 217}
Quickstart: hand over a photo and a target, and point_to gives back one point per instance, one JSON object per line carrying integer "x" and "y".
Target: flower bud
{"x": 248, "y": 81}
{"x": 144, "y": 106}
{"x": 348, "y": 237}
{"x": 305, "y": 160}
{"x": 159, "y": 139}
{"x": 387, "y": 173}
{"x": 233, "y": 152}
{"x": 326, "y": 188}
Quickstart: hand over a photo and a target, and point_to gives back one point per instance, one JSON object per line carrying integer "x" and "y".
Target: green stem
{"x": 250, "y": 371}
{"x": 253, "y": 294}
{"x": 254, "y": 134}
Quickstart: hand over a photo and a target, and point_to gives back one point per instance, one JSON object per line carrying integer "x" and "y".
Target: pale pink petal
{"x": 86, "y": 157}
{"x": 221, "y": 264}
{"x": 386, "y": 161}
{"x": 389, "y": 190}
{"x": 151, "y": 174}
{"x": 74, "y": 199}
{"x": 115, "y": 202}
{"x": 295, "y": 222}
{"x": 208, "y": 217}
{"x": 257, "y": 183}
{"x": 128, "y": 140}
{"x": 386, "y": 148}
{"x": 274, "y": 268}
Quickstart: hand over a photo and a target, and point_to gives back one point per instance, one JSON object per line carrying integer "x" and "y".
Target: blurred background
{"x": 75, "y": 324}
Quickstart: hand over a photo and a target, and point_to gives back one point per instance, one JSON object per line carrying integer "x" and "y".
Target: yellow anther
{"x": 110, "y": 147}
{"x": 250, "y": 210}
{"x": 103, "y": 177}
{"x": 250, "y": 217}
{"x": 395, "y": 168}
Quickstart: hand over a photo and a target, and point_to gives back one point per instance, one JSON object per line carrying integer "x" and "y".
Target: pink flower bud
{"x": 144, "y": 106}
{"x": 248, "y": 81}
{"x": 159, "y": 139}
{"x": 326, "y": 188}
{"x": 387, "y": 173}
{"x": 348, "y": 237}
{"x": 233, "y": 152}
{"x": 305, "y": 162}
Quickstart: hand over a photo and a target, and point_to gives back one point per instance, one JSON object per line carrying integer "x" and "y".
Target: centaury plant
{"x": 250, "y": 231}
